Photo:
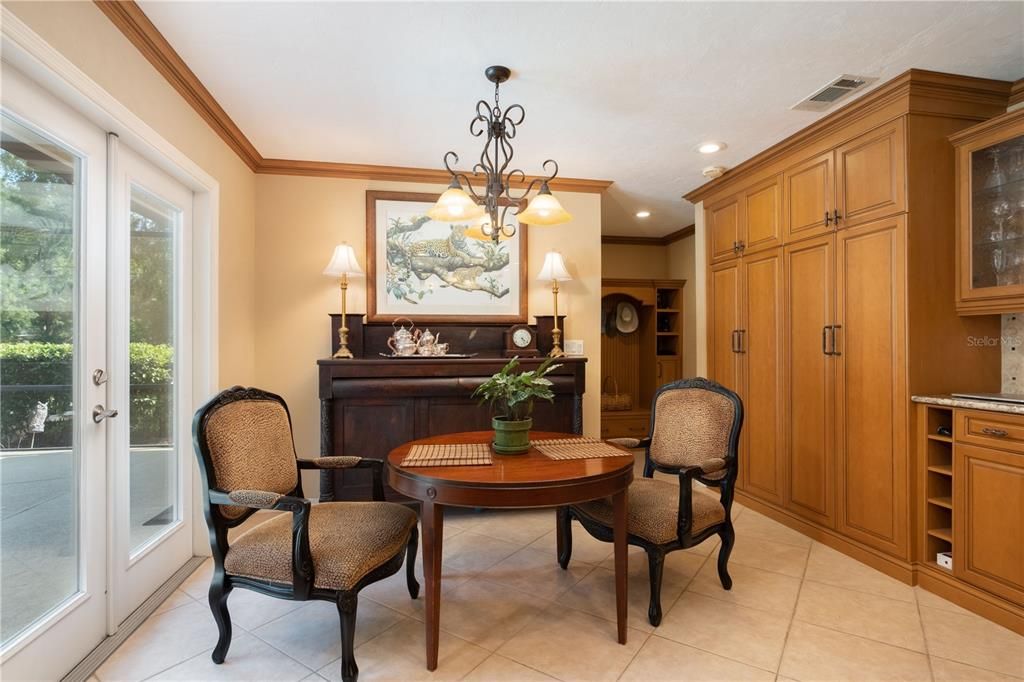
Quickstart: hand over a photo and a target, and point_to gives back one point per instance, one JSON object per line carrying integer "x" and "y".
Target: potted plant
{"x": 511, "y": 395}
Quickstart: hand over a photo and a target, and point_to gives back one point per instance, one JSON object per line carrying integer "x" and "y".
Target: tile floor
{"x": 797, "y": 611}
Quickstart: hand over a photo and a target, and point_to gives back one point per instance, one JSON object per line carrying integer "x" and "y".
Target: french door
{"x": 95, "y": 359}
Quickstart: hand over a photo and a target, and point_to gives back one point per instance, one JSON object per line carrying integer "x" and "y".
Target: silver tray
{"x": 392, "y": 356}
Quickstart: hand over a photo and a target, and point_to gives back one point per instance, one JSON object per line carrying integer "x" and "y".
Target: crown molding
{"x": 917, "y": 89}
{"x": 669, "y": 238}
{"x": 129, "y": 18}
{"x": 1017, "y": 92}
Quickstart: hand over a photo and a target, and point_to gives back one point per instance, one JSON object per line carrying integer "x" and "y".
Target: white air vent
{"x": 835, "y": 91}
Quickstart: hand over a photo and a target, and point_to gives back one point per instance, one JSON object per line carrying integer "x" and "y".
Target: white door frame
{"x": 33, "y": 56}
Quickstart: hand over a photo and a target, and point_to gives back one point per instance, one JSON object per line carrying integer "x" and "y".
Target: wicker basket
{"x": 614, "y": 402}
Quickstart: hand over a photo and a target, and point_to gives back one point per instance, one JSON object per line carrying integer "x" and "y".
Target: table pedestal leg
{"x": 620, "y": 510}
{"x": 432, "y": 521}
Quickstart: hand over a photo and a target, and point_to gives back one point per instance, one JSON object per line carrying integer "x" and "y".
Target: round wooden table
{"x": 512, "y": 481}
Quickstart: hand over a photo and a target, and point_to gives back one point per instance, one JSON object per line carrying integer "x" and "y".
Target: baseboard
{"x": 930, "y": 578}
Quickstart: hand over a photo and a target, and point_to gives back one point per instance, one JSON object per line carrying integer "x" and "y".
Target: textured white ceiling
{"x": 617, "y": 91}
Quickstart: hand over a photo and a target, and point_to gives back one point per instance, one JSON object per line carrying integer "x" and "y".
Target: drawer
{"x": 626, "y": 426}
{"x": 990, "y": 429}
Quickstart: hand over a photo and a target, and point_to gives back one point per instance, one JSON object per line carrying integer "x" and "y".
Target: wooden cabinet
{"x": 868, "y": 344}
{"x": 808, "y": 198}
{"x": 988, "y": 519}
{"x": 669, "y": 370}
{"x": 761, "y": 216}
{"x": 809, "y": 378}
{"x": 722, "y": 221}
{"x": 990, "y": 429}
{"x": 990, "y": 216}
{"x": 871, "y": 175}
{"x": 724, "y": 324}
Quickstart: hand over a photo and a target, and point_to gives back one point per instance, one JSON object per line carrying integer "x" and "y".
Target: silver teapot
{"x": 405, "y": 341}
{"x": 428, "y": 343}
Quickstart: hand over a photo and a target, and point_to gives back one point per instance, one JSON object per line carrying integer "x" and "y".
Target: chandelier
{"x": 486, "y": 211}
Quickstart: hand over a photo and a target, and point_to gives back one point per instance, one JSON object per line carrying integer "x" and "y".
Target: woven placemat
{"x": 448, "y": 455}
{"x": 577, "y": 448}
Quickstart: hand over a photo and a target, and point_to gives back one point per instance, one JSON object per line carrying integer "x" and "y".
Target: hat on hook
{"x": 626, "y": 318}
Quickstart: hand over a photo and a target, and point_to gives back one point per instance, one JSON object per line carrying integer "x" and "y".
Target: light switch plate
{"x": 574, "y": 346}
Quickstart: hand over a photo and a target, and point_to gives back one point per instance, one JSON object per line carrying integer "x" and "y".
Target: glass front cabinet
{"x": 990, "y": 216}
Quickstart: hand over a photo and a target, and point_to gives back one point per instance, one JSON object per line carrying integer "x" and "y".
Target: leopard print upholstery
{"x": 342, "y": 462}
{"x": 258, "y": 499}
{"x": 691, "y": 427}
{"x": 250, "y": 444}
{"x": 347, "y": 541}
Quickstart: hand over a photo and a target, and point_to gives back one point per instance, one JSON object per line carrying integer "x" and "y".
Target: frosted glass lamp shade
{"x": 343, "y": 262}
{"x": 476, "y": 230}
{"x": 455, "y": 206}
{"x": 544, "y": 209}
{"x": 554, "y": 268}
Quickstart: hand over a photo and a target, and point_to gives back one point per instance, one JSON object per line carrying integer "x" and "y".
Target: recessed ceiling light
{"x": 710, "y": 147}
{"x": 643, "y": 214}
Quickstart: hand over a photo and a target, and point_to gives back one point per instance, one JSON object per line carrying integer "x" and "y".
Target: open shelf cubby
{"x": 938, "y": 513}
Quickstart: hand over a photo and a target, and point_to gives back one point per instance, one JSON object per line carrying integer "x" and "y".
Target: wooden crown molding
{"x": 1017, "y": 92}
{"x": 669, "y": 238}
{"x": 917, "y": 87}
{"x": 129, "y": 18}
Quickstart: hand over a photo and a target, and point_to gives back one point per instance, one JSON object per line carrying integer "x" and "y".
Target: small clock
{"x": 521, "y": 340}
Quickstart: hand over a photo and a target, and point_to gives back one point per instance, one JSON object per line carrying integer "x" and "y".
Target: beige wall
{"x": 634, "y": 261}
{"x": 87, "y": 38}
{"x": 299, "y": 220}
{"x": 681, "y": 266}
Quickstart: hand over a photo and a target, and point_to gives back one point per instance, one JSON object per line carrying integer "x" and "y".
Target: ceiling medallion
{"x": 486, "y": 209}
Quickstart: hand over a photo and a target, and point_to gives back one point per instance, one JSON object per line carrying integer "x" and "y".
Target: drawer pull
{"x": 998, "y": 433}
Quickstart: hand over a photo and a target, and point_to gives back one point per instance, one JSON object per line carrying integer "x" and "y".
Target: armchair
{"x": 330, "y": 551}
{"x": 695, "y": 430}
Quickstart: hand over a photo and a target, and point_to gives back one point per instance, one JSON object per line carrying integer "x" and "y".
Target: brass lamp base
{"x": 343, "y": 352}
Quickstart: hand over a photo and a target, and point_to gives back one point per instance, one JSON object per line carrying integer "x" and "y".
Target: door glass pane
{"x": 153, "y": 497}
{"x": 40, "y": 192}
{"x": 997, "y": 214}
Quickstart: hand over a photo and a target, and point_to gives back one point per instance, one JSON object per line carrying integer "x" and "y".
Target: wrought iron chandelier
{"x": 486, "y": 212}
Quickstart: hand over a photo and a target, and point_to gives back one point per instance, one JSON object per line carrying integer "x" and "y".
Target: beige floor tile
{"x": 814, "y": 653}
{"x": 760, "y": 527}
{"x": 776, "y": 557}
{"x": 469, "y": 554}
{"x": 250, "y": 609}
{"x": 400, "y": 654}
{"x": 313, "y": 677}
{"x": 828, "y": 566}
{"x": 584, "y": 547}
{"x": 177, "y": 598}
{"x": 749, "y": 635}
{"x": 686, "y": 562}
{"x": 537, "y": 572}
{"x": 661, "y": 659}
{"x": 973, "y": 640}
{"x": 951, "y": 671}
{"x": 312, "y": 635}
{"x": 750, "y": 587}
{"x": 247, "y": 659}
{"x": 517, "y": 526}
{"x": 488, "y": 614}
{"x": 595, "y": 594}
{"x": 934, "y": 601}
{"x": 885, "y": 620}
{"x": 197, "y": 585}
{"x": 164, "y": 640}
{"x": 500, "y": 669}
{"x": 571, "y": 645}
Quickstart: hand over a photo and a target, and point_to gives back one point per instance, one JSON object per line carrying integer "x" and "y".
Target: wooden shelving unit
{"x": 938, "y": 483}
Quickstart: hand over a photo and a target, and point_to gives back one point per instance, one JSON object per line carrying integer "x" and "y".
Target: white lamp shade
{"x": 554, "y": 268}
{"x": 343, "y": 262}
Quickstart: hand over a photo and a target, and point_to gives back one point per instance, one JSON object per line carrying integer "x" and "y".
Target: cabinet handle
{"x": 837, "y": 217}
{"x": 828, "y": 219}
{"x": 835, "y": 328}
{"x": 743, "y": 340}
{"x": 742, "y": 246}
{"x": 824, "y": 340}
{"x": 734, "y": 349}
{"x": 998, "y": 433}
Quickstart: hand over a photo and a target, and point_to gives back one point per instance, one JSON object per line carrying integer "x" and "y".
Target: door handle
{"x": 99, "y": 413}
{"x": 99, "y": 377}
{"x": 998, "y": 433}
{"x": 835, "y": 328}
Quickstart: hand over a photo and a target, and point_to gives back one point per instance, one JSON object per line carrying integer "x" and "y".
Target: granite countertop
{"x": 970, "y": 403}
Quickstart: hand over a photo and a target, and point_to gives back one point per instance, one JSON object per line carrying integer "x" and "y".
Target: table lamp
{"x": 554, "y": 271}
{"x": 343, "y": 265}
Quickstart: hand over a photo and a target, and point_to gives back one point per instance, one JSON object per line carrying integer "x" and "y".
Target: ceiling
{"x": 612, "y": 91}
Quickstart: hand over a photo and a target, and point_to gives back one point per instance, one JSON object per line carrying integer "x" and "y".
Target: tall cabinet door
{"x": 871, "y": 175}
{"x": 722, "y": 220}
{"x": 871, "y": 390}
{"x": 808, "y": 192}
{"x": 724, "y": 323}
{"x": 761, "y": 460}
{"x": 809, "y": 378}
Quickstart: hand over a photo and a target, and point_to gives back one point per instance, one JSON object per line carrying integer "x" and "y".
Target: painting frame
{"x": 375, "y": 271}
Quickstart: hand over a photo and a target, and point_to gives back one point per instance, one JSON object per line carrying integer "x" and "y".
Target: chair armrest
{"x": 302, "y": 559}
{"x": 330, "y": 463}
{"x": 631, "y": 443}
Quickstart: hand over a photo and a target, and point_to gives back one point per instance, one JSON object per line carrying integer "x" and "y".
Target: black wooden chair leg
{"x": 728, "y": 536}
{"x": 410, "y": 563}
{"x": 219, "y": 592}
{"x": 563, "y": 531}
{"x": 656, "y": 564}
{"x": 347, "y": 603}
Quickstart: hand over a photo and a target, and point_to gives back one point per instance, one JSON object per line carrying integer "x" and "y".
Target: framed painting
{"x": 429, "y": 271}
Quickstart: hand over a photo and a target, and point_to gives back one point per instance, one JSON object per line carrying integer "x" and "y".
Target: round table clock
{"x": 521, "y": 340}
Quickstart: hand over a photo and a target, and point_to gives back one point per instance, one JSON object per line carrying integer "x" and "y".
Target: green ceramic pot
{"x": 511, "y": 437}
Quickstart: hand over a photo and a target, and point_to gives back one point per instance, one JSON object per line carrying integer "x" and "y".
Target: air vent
{"x": 835, "y": 91}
